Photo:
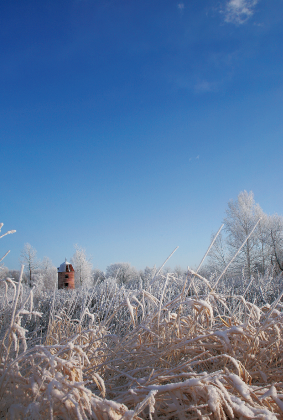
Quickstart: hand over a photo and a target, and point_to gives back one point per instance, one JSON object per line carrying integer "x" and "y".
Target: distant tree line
{"x": 43, "y": 274}
{"x": 262, "y": 252}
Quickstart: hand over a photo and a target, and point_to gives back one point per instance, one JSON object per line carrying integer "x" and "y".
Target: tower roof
{"x": 65, "y": 267}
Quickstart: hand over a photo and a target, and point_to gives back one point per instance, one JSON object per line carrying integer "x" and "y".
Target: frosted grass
{"x": 174, "y": 347}
{"x": 118, "y": 353}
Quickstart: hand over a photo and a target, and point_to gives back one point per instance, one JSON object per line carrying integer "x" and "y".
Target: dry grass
{"x": 192, "y": 357}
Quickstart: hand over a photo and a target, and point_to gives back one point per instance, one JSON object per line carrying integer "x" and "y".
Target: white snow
{"x": 62, "y": 267}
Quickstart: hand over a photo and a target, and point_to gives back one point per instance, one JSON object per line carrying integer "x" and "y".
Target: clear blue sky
{"x": 127, "y": 125}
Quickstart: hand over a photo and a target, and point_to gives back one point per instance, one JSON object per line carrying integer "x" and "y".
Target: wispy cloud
{"x": 181, "y": 8}
{"x": 204, "y": 86}
{"x": 195, "y": 158}
{"x": 239, "y": 11}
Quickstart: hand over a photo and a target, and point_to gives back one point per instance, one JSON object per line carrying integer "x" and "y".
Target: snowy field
{"x": 204, "y": 344}
{"x": 176, "y": 349}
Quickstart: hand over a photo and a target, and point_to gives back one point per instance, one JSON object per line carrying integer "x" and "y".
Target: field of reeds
{"x": 178, "y": 349}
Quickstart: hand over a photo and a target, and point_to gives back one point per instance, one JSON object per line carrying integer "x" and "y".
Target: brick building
{"x": 66, "y": 276}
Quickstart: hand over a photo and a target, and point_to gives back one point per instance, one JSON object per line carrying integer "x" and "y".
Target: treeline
{"x": 250, "y": 245}
{"x": 43, "y": 274}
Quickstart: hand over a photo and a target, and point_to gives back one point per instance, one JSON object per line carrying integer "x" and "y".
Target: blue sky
{"x": 126, "y": 126}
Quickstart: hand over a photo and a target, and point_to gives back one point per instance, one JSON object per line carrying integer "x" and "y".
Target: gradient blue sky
{"x": 127, "y": 125}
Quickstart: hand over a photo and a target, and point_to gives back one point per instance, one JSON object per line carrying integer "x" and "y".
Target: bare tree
{"x": 29, "y": 259}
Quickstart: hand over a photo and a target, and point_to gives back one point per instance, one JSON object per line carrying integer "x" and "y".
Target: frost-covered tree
{"x": 147, "y": 275}
{"x": 263, "y": 248}
{"x": 122, "y": 272}
{"x": 262, "y": 251}
{"x": 241, "y": 217}
{"x": 218, "y": 256}
{"x": 274, "y": 239}
{"x": 29, "y": 259}
{"x": 179, "y": 272}
{"x": 82, "y": 266}
{"x": 4, "y": 272}
{"x": 49, "y": 273}
{"x": 98, "y": 276}
{"x": 13, "y": 274}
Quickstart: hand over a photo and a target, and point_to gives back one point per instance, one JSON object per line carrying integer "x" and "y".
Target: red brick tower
{"x": 66, "y": 276}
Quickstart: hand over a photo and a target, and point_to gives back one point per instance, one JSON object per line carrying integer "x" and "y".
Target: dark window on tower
{"x": 66, "y": 276}
{"x": 66, "y": 284}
